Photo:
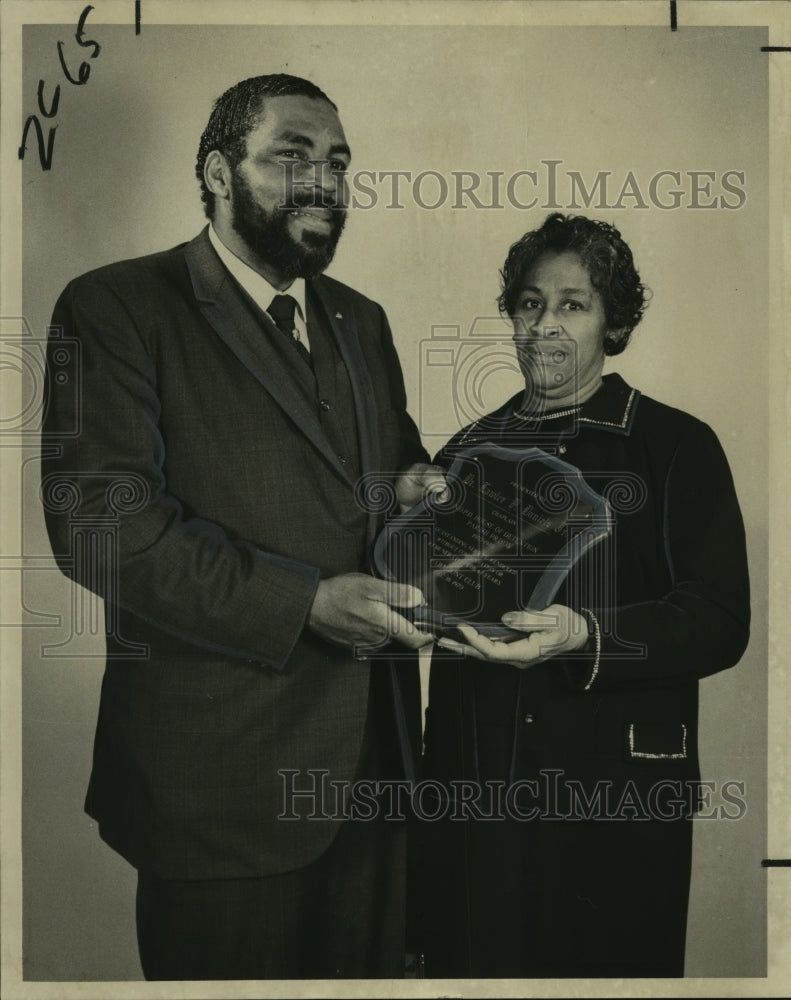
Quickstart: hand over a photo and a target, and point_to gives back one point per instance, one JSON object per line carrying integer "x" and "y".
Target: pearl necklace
{"x": 547, "y": 416}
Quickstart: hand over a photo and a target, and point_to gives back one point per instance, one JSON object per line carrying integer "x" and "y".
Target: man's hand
{"x": 552, "y": 632}
{"x": 357, "y": 610}
{"x": 413, "y": 483}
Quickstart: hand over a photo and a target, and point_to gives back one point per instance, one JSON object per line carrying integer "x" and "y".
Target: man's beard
{"x": 267, "y": 233}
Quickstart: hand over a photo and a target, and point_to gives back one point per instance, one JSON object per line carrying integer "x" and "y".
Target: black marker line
{"x": 138, "y": 5}
{"x": 673, "y": 17}
{"x": 776, "y": 48}
{"x": 776, "y": 863}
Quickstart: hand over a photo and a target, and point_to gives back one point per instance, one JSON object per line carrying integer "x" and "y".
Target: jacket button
{"x": 529, "y": 717}
{"x": 325, "y": 404}
{"x": 562, "y": 449}
{"x": 342, "y": 459}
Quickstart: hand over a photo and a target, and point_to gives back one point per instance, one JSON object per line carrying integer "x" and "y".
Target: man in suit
{"x": 214, "y": 496}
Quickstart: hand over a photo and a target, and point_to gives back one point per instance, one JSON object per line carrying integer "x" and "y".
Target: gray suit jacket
{"x": 189, "y": 483}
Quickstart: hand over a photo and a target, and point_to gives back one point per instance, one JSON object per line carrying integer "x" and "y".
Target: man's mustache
{"x": 320, "y": 199}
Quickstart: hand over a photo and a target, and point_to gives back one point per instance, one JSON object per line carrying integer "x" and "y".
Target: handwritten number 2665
{"x": 45, "y": 149}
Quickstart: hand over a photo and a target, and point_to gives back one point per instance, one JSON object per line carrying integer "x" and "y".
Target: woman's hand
{"x": 415, "y": 482}
{"x": 549, "y": 633}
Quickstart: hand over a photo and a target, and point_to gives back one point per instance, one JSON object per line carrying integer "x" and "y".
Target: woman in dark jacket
{"x": 568, "y": 757}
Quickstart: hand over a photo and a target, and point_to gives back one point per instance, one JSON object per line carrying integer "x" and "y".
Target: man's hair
{"x": 603, "y": 253}
{"x": 236, "y": 113}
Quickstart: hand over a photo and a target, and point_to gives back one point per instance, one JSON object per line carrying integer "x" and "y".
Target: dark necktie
{"x": 282, "y": 312}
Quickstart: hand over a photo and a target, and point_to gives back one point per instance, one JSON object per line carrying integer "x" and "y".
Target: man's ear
{"x": 216, "y": 174}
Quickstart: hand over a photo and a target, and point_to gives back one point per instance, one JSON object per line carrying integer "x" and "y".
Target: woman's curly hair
{"x": 607, "y": 259}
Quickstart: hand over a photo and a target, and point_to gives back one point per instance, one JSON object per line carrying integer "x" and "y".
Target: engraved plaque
{"x": 503, "y": 537}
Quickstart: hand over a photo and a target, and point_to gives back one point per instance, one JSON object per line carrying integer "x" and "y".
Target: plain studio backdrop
{"x": 608, "y": 106}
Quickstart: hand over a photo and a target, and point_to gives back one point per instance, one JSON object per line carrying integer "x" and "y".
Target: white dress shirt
{"x": 259, "y": 289}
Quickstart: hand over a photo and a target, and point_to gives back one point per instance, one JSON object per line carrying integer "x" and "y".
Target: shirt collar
{"x": 256, "y": 286}
{"x": 613, "y": 407}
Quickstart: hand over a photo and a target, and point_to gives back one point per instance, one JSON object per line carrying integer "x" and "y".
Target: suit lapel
{"x": 341, "y": 317}
{"x": 223, "y": 307}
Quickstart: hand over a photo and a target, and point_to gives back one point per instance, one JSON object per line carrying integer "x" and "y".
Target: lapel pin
{"x": 338, "y": 315}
